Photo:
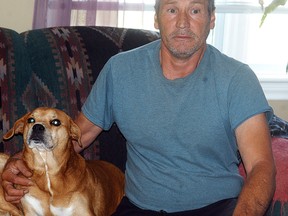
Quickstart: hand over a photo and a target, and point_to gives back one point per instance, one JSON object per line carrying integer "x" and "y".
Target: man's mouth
{"x": 183, "y": 37}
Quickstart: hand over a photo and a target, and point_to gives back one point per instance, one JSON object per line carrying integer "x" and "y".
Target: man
{"x": 185, "y": 110}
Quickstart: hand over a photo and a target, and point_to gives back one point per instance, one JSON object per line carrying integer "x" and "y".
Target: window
{"x": 237, "y": 32}
{"x": 265, "y": 50}
{"x": 117, "y": 13}
{"x": 239, "y": 35}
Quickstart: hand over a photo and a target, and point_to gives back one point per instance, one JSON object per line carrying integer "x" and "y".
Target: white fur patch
{"x": 34, "y": 203}
{"x": 59, "y": 211}
{"x": 43, "y": 156}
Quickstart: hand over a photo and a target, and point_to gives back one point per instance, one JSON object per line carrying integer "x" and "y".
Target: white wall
{"x": 280, "y": 108}
{"x": 16, "y": 14}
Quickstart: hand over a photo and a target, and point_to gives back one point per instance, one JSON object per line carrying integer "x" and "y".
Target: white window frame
{"x": 275, "y": 87}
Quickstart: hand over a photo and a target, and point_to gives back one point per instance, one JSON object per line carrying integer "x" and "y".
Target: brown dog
{"x": 64, "y": 183}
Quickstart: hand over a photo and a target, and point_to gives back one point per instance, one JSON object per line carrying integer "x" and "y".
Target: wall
{"x": 16, "y": 14}
{"x": 280, "y": 108}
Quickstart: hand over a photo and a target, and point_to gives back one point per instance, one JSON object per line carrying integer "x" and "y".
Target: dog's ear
{"x": 17, "y": 128}
{"x": 75, "y": 132}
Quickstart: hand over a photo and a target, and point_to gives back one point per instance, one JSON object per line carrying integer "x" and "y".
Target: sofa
{"x": 56, "y": 67}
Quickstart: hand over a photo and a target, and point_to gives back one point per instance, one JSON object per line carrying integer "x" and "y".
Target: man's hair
{"x": 211, "y": 6}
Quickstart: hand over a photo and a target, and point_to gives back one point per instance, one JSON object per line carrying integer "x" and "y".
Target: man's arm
{"x": 254, "y": 144}
{"x": 89, "y": 132}
{"x": 16, "y": 165}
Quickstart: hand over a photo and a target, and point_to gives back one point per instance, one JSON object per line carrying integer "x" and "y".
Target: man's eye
{"x": 195, "y": 11}
{"x": 172, "y": 10}
{"x": 55, "y": 122}
{"x": 31, "y": 120}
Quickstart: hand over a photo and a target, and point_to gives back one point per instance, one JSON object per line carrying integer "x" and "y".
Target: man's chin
{"x": 182, "y": 53}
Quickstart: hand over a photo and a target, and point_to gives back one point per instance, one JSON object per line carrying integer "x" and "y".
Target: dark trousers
{"x": 220, "y": 208}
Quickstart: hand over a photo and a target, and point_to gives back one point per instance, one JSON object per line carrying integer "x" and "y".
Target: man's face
{"x": 184, "y": 25}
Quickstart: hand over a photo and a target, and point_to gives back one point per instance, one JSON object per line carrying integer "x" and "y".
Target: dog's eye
{"x": 31, "y": 120}
{"x": 55, "y": 122}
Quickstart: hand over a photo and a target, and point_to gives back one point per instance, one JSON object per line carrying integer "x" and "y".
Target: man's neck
{"x": 175, "y": 68}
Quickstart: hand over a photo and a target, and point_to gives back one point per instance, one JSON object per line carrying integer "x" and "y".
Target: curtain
{"x": 48, "y": 13}
{"x": 117, "y": 13}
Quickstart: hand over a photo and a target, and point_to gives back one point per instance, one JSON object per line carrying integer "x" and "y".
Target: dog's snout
{"x": 38, "y": 128}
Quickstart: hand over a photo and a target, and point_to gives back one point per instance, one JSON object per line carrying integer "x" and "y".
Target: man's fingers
{"x": 15, "y": 173}
{"x": 13, "y": 195}
{"x": 23, "y": 168}
{"x": 18, "y": 166}
{"x": 13, "y": 199}
{"x": 11, "y": 177}
{"x": 12, "y": 171}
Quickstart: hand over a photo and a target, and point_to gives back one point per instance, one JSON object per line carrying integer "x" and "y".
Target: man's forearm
{"x": 257, "y": 191}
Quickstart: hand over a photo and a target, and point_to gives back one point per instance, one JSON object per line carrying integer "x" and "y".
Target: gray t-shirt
{"x": 182, "y": 152}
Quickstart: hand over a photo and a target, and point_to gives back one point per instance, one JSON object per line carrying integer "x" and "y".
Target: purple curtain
{"x": 49, "y": 13}
{"x": 40, "y": 13}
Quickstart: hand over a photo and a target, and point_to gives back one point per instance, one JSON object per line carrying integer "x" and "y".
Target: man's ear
{"x": 212, "y": 20}
{"x": 156, "y": 24}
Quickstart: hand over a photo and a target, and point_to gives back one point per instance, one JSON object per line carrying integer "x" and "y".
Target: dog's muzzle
{"x": 37, "y": 133}
{"x": 38, "y": 137}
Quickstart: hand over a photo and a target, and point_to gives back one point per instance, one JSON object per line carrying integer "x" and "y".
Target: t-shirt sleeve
{"x": 98, "y": 106}
{"x": 246, "y": 97}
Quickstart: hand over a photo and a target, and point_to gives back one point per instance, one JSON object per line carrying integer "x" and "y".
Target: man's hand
{"x": 15, "y": 172}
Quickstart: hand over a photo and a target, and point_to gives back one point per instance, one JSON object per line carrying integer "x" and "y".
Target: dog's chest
{"x": 61, "y": 211}
{"x": 36, "y": 207}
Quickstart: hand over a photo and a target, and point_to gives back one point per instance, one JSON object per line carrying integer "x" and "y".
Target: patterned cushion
{"x": 15, "y": 72}
{"x": 279, "y": 205}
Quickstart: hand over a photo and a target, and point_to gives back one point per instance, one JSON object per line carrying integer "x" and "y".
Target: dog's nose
{"x": 38, "y": 128}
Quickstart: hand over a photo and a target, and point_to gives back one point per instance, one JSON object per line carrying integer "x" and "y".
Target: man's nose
{"x": 183, "y": 20}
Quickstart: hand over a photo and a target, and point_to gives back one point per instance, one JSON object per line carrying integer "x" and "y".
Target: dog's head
{"x": 45, "y": 128}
